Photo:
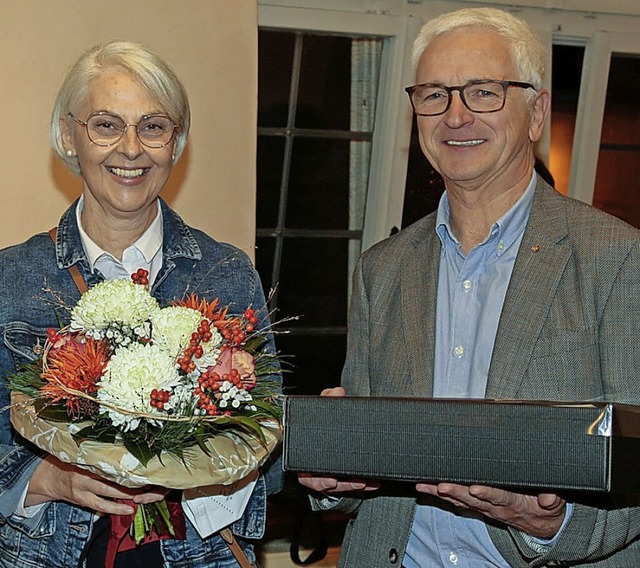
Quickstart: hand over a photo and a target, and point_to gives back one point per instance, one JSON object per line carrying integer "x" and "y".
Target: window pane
{"x": 317, "y": 364}
{"x": 314, "y": 282}
{"x": 622, "y": 112}
{"x": 618, "y": 170}
{"x": 265, "y": 248}
{"x": 423, "y": 187}
{"x": 619, "y": 159}
{"x": 319, "y": 186}
{"x": 312, "y": 178}
{"x": 325, "y": 83}
{"x": 275, "y": 54}
{"x": 565, "y": 86}
{"x": 270, "y": 161}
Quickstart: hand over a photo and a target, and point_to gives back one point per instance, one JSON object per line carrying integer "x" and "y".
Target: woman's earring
{"x": 70, "y": 153}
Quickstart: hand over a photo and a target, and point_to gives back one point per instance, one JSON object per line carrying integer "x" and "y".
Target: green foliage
{"x": 27, "y": 379}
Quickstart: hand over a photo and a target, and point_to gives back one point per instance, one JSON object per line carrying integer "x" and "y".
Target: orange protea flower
{"x": 74, "y": 367}
{"x": 209, "y": 310}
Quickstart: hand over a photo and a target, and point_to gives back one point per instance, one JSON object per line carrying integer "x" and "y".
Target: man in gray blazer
{"x": 509, "y": 290}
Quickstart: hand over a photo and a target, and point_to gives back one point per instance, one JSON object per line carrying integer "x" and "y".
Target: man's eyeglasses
{"x": 104, "y": 129}
{"x": 432, "y": 99}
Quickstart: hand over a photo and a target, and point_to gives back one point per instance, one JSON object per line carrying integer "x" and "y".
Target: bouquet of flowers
{"x": 177, "y": 396}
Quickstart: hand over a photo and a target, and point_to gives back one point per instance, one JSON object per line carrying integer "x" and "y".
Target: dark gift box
{"x": 526, "y": 444}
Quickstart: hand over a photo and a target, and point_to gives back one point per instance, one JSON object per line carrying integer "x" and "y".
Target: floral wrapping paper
{"x": 231, "y": 457}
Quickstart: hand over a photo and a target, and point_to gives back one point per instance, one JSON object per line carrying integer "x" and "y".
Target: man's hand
{"x": 332, "y": 485}
{"x": 537, "y": 515}
{"x": 335, "y": 391}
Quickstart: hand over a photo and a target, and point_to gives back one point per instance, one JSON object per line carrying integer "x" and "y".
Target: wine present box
{"x": 580, "y": 446}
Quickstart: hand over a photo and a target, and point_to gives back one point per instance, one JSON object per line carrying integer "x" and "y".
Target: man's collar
{"x": 513, "y": 221}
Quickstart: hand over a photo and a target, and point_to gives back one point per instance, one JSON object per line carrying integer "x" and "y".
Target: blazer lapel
{"x": 538, "y": 269}
{"x": 418, "y": 295}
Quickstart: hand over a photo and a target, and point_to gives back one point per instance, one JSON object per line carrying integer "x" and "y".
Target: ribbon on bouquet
{"x": 122, "y": 537}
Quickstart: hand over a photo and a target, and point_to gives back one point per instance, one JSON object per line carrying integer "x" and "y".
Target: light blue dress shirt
{"x": 471, "y": 292}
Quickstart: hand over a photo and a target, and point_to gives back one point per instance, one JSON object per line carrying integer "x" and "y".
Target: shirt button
{"x": 467, "y": 285}
{"x": 500, "y": 247}
{"x": 453, "y": 558}
{"x": 458, "y": 351}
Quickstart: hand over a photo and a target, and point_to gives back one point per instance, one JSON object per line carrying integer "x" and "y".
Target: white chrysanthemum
{"x": 129, "y": 378}
{"x": 113, "y": 301}
{"x": 172, "y": 327}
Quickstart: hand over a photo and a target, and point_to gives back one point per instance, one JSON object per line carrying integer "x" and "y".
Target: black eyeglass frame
{"x": 460, "y": 88}
{"x": 124, "y": 128}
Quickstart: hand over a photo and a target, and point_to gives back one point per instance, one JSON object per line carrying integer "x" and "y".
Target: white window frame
{"x": 591, "y": 107}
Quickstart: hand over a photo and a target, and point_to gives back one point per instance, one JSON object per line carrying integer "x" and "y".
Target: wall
{"x": 212, "y": 46}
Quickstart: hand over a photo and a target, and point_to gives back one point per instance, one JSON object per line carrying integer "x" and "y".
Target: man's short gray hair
{"x": 527, "y": 50}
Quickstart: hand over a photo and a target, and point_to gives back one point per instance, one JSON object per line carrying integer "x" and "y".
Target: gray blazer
{"x": 569, "y": 330}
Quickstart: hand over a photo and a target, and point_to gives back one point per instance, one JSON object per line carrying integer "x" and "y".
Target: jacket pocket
{"x": 24, "y": 342}
{"x": 565, "y": 367}
{"x": 569, "y": 343}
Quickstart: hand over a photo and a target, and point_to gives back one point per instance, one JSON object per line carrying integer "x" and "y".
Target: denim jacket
{"x": 29, "y": 274}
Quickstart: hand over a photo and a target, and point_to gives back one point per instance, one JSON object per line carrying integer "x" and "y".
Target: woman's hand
{"x": 54, "y": 480}
{"x": 151, "y": 495}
